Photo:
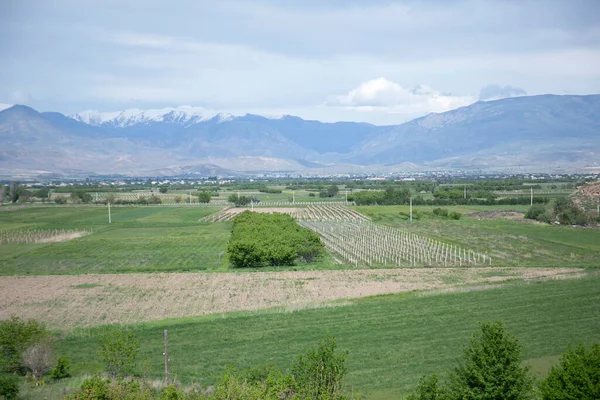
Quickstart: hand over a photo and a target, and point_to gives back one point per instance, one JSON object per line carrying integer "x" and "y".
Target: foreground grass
{"x": 509, "y": 243}
{"x": 392, "y": 340}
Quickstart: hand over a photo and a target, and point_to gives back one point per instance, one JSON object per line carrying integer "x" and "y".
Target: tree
{"x": 14, "y": 192}
{"x": 491, "y": 367}
{"x": 577, "y": 376}
{"x": 163, "y": 189}
{"x": 429, "y": 389}
{"x": 1, "y": 194}
{"x": 239, "y": 201}
{"x": 61, "y": 369}
{"x": 38, "y": 359}
{"x": 320, "y": 372}
{"x": 204, "y": 197}
{"x": 118, "y": 350}
{"x": 16, "y": 335}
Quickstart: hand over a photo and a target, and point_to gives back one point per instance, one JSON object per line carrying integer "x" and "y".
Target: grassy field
{"x": 172, "y": 239}
{"x": 506, "y": 240}
{"x": 392, "y": 340}
{"x": 140, "y": 239}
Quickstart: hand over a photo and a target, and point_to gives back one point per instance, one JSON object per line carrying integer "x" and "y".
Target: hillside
{"x": 534, "y": 131}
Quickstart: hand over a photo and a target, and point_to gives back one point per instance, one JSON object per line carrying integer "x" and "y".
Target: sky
{"x": 382, "y": 62}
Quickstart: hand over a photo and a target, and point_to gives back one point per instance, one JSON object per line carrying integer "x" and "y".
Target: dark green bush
{"x": 455, "y": 215}
{"x": 535, "y": 211}
{"x": 441, "y": 212}
{"x": 61, "y": 369}
{"x": 9, "y": 387}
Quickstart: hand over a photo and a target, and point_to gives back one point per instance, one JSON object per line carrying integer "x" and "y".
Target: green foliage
{"x": 60, "y": 200}
{"x": 239, "y": 201}
{"x": 577, "y": 376}
{"x": 204, "y": 197}
{"x": 274, "y": 239}
{"x": 491, "y": 367}
{"x": 97, "y": 388}
{"x": 455, "y": 215}
{"x": 171, "y": 392}
{"x": 9, "y": 387}
{"x": 79, "y": 196}
{"x": 387, "y": 197}
{"x": 61, "y": 369}
{"x": 330, "y": 191}
{"x": 16, "y": 335}
{"x": 535, "y": 211}
{"x": 265, "y": 189}
{"x": 265, "y": 382}
{"x": 441, "y": 212}
{"x": 319, "y": 373}
{"x": 163, "y": 189}
{"x": 429, "y": 389}
{"x": 118, "y": 350}
{"x": 569, "y": 213}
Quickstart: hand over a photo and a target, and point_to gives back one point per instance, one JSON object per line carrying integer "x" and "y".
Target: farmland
{"x": 392, "y": 340}
{"x": 166, "y": 267}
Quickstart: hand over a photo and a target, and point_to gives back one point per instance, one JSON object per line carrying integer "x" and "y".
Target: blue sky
{"x": 376, "y": 61}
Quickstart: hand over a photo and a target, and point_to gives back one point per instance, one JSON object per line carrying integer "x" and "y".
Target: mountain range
{"x": 532, "y": 131}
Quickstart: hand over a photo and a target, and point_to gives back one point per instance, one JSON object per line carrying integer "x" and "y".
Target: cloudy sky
{"x": 377, "y": 61}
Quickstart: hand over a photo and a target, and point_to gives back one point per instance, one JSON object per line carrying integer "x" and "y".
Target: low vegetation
{"x": 259, "y": 239}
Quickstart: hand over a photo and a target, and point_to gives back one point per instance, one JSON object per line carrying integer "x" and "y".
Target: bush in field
{"x": 118, "y": 350}
{"x": 204, "y": 197}
{"x": 491, "y": 367}
{"x": 16, "y": 336}
{"x": 270, "y": 239}
{"x": 577, "y": 376}
{"x": 429, "y": 389}
{"x": 441, "y": 212}
{"x": 61, "y": 369}
{"x": 60, "y": 200}
{"x": 535, "y": 211}
{"x": 163, "y": 189}
{"x": 239, "y": 201}
{"x": 320, "y": 372}
{"x": 455, "y": 215}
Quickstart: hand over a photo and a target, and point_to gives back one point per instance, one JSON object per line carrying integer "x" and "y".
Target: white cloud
{"x": 384, "y": 95}
{"x": 494, "y": 92}
{"x": 5, "y": 106}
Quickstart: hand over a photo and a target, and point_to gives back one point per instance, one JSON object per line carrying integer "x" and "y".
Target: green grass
{"x": 392, "y": 340}
{"x": 509, "y": 243}
{"x": 139, "y": 239}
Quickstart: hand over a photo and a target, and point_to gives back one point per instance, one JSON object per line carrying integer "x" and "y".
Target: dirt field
{"x": 65, "y": 302}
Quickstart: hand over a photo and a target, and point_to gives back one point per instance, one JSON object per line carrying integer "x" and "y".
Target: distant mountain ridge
{"x": 529, "y": 130}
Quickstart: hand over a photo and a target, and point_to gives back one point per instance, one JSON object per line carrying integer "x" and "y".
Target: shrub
{"x": 320, "y": 372}
{"x": 442, "y": 212}
{"x": 577, "y": 376}
{"x": 429, "y": 389}
{"x": 61, "y": 369}
{"x": 455, "y": 215}
{"x": 38, "y": 359}
{"x": 9, "y": 387}
{"x": 118, "y": 350}
{"x": 535, "y": 211}
{"x": 60, "y": 200}
{"x": 16, "y": 335}
{"x": 204, "y": 197}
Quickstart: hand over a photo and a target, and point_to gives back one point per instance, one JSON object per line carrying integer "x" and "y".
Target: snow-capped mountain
{"x": 183, "y": 115}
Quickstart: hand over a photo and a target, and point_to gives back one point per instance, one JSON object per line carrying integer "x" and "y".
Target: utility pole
{"x": 109, "y": 218}
{"x": 411, "y": 209}
{"x": 531, "y": 202}
{"x": 190, "y": 197}
{"x": 166, "y": 357}
{"x": 465, "y": 195}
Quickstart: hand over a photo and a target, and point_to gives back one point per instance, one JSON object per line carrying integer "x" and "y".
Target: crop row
{"x": 366, "y": 243}
{"x": 38, "y": 235}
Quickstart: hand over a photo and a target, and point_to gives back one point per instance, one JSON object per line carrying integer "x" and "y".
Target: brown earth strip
{"x": 65, "y": 302}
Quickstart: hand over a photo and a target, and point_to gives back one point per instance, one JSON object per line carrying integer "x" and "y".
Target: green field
{"x": 392, "y": 340}
{"x": 170, "y": 239}
{"x": 139, "y": 239}
{"x": 508, "y": 242}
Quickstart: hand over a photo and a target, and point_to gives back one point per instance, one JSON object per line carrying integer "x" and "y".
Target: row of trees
{"x": 276, "y": 239}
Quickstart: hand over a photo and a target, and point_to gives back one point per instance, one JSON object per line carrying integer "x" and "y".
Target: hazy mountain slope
{"x": 535, "y": 130}
{"x": 510, "y": 126}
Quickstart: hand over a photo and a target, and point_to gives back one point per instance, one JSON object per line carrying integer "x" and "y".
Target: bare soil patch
{"x": 65, "y": 302}
{"x": 63, "y": 237}
{"x": 505, "y": 215}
